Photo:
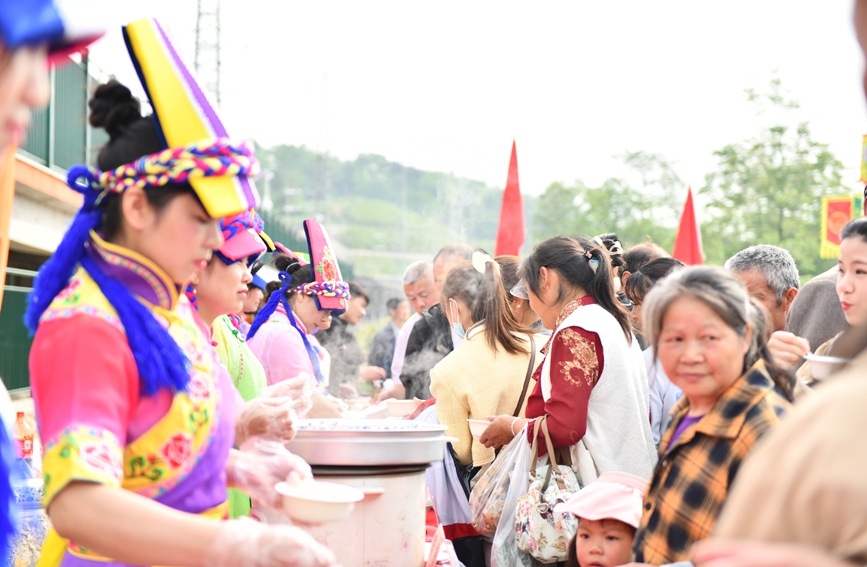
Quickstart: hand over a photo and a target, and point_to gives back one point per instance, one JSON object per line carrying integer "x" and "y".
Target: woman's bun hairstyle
{"x": 113, "y": 107}
{"x": 286, "y": 263}
{"x": 131, "y": 136}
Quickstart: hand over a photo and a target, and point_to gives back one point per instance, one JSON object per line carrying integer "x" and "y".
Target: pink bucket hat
{"x": 613, "y": 496}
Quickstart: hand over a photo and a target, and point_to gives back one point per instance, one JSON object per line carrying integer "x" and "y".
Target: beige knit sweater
{"x": 474, "y": 382}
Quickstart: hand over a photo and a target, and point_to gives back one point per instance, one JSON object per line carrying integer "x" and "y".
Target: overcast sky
{"x": 446, "y": 86}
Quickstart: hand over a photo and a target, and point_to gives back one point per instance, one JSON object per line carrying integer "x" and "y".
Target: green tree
{"x": 638, "y": 208}
{"x": 375, "y": 206}
{"x": 767, "y": 190}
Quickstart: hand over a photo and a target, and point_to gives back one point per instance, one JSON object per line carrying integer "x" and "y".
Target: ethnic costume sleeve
{"x": 84, "y": 397}
{"x": 576, "y": 364}
{"x": 280, "y": 349}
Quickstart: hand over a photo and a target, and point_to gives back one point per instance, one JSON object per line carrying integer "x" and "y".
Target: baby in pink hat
{"x": 608, "y": 512}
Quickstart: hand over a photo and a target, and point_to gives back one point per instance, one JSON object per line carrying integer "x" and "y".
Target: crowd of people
{"x": 167, "y": 372}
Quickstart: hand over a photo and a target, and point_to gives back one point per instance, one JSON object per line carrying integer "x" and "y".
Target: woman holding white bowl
{"x": 788, "y": 348}
{"x": 486, "y": 375}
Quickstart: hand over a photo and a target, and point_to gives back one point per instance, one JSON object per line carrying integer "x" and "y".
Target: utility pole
{"x": 207, "y": 58}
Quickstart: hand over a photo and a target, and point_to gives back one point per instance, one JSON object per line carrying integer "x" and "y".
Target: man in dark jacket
{"x": 347, "y": 359}
{"x": 382, "y": 349}
{"x": 431, "y": 338}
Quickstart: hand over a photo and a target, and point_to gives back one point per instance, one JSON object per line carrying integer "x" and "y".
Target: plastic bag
{"x": 489, "y": 495}
{"x": 505, "y": 552}
{"x": 444, "y": 486}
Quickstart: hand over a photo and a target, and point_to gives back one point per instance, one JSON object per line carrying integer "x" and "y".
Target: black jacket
{"x": 346, "y": 355}
{"x": 429, "y": 342}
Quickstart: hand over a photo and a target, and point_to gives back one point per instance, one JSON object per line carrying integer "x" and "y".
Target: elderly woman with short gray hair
{"x": 710, "y": 338}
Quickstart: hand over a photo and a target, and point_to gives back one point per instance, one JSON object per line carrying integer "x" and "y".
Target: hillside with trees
{"x": 383, "y": 214}
{"x": 765, "y": 189}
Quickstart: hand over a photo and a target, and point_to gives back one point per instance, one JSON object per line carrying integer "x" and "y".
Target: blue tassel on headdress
{"x": 55, "y": 273}
{"x": 278, "y": 296}
{"x": 271, "y": 305}
{"x": 160, "y": 361}
{"x": 311, "y": 352}
{"x": 190, "y": 292}
{"x": 8, "y": 504}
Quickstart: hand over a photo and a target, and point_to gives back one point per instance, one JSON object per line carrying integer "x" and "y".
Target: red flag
{"x": 510, "y": 233}
{"x": 687, "y": 243}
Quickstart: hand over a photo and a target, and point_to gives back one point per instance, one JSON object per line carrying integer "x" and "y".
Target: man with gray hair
{"x": 431, "y": 338}
{"x": 771, "y": 278}
{"x": 420, "y": 291}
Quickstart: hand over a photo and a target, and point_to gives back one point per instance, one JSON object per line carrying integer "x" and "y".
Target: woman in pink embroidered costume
{"x": 217, "y": 292}
{"x": 591, "y": 351}
{"x": 136, "y": 412}
{"x": 303, "y": 301}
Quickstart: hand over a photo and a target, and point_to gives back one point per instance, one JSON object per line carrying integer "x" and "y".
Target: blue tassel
{"x": 271, "y": 305}
{"x": 161, "y": 362}
{"x": 277, "y": 297}
{"x": 55, "y": 273}
{"x": 8, "y": 505}
{"x": 311, "y": 352}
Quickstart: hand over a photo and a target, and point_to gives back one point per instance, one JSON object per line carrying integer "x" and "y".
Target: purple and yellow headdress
{"x": 184, "y": 116}
{"x": 198, "y": 152}
{"x": 243, "y": 239}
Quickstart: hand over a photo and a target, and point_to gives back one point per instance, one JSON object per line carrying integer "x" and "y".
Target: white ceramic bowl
{"x": 401, "y": 408}
{"x": 823, "y": 366}
{"x": 478, "y": 426}
{"x": 314, "y": 502}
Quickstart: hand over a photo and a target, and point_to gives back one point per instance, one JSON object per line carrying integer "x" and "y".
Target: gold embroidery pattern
{"x": 568, "y": 310}
{"x": 583, "y": 366}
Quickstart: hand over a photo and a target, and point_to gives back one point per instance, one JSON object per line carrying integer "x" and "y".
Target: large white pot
{"x": 386, "y": 529}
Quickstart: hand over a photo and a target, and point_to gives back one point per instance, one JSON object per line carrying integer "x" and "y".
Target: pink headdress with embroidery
{"x": 328, "y": 288}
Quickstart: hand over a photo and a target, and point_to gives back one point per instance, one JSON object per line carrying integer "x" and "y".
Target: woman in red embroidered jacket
{"x": 592, "y": 351}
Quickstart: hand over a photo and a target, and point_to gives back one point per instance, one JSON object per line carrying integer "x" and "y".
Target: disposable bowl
{"x": 478, "y": 426}
{"x": 822, "y": 367}
{"x": 315, "y": 502}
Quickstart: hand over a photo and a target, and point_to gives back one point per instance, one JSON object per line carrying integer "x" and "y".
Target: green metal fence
{"x": 59, "y": 135}
{"x": 14, "y": 339}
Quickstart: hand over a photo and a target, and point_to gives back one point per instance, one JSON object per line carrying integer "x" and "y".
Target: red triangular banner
{"x": 687, "y": 243}
{"x": 510, "y": 233}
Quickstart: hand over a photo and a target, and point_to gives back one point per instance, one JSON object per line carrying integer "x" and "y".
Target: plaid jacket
{"x": 692, "y": 478}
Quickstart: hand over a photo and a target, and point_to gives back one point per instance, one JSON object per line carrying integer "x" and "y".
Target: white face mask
{"x": 617, "y": 284}
{"x": 457, "y": 340}
{"x": 457, "y": 327}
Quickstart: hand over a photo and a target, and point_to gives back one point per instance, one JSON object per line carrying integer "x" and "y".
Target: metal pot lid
{"x": 368, "y": 442}
{"x": 367, "y": 428}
